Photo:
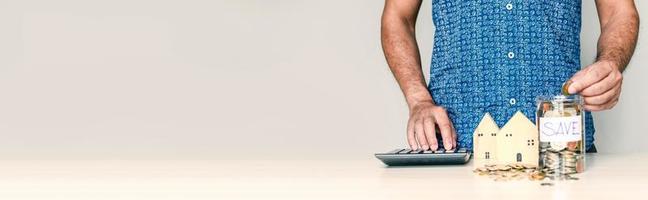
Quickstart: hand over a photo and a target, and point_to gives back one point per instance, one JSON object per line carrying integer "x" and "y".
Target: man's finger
{"x": 603, "y": 98}
{"x": 602, "y": 86}
{"x": 601, "y": 107}
{"x": 445, "y": 127}
{"x": 420, "y": 135}
{"x": 586, "y": 78}
{"x": 411, "y": 139}
{"x": 428, "y": 127}
{"x": 454, "y": 136}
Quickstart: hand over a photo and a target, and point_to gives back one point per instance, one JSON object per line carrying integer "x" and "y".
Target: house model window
{"x": 514, "y": 143}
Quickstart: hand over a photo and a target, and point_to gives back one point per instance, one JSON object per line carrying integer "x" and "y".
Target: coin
{"x": 537, "y": 176}
{"x": 558, "y": 146}
{"x": 565, "y": 87}
{"x": 572, "y": 145}
{"x": 546, "y": 106}
{"x": 546, "y": 184}
{"x": 580, "y": 166}
{"x": 503, "y": 168}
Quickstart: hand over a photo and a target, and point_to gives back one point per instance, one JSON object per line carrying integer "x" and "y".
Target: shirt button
{"x": 509, "y": 6}
{"x": 512, "y": 101}
{"x": 511, "y": 54}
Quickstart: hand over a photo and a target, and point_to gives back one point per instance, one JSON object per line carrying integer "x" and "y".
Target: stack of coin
{"x": 561, "y": 162}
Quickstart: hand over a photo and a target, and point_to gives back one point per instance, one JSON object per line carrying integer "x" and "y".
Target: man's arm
{"x": 402, "y": 54}
{"x": 600, "y": 83}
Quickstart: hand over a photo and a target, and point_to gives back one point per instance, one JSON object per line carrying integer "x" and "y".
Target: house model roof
{"x": 487, "y": 124}
{"x": 516, "y": 142}
{"x": 518, "y": 122}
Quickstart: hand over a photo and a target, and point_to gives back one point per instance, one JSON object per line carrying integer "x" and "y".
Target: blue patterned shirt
{"x": 497, "y": 56}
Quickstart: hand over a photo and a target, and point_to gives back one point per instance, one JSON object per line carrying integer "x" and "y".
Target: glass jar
{"x": 560, "y": 123}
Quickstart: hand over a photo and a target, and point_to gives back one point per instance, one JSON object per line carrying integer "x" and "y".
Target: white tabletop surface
{"x": 607, "y": 176}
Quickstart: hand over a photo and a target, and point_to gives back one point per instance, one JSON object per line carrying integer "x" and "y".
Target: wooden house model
{"x": 515, "y": 143}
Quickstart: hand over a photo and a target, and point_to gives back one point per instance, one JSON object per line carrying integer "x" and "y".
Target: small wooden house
{"x": 516, "y": 142}
{"x": 485, "y": 142}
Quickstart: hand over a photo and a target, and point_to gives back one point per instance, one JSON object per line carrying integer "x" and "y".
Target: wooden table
{"x": 608, "y": 176}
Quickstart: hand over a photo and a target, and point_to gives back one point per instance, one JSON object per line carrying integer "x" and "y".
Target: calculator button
{"x": 462, "y": 150}
{"x": 404, "y": 151}
{"x": 394, "y": 151}
{"x": 416, "y": 151}
{"x": 401, "y": 151}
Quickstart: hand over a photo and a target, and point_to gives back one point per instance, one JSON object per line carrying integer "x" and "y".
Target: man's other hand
{"x": 599, "y": 84}
{"x": 425, "y": 118}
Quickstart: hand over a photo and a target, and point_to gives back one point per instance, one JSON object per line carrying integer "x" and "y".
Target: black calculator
{"x": 406, "y": 157}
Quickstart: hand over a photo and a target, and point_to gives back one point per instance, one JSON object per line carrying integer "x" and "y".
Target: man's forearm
{"x": 600, "y": 83}
{"x": 619, "y": 32}
{"x": 401, "y": 51}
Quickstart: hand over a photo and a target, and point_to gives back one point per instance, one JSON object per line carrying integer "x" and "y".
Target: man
{"x": 497, "y": 56}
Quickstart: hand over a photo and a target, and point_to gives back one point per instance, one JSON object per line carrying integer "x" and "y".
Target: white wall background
{"x": 147, "y": 79}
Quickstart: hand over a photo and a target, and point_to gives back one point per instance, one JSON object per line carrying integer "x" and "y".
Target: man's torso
{"x": 496, "y": 57}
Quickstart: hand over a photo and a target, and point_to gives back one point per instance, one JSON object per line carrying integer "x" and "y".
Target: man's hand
{"x": 599, "y": 84}
{"x": 424, "y": 117}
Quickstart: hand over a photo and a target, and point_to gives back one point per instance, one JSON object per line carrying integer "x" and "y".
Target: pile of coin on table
{"x": 518, "y": 172}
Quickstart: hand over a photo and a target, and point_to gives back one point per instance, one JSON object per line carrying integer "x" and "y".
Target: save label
{"x": 560, "y": 129}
